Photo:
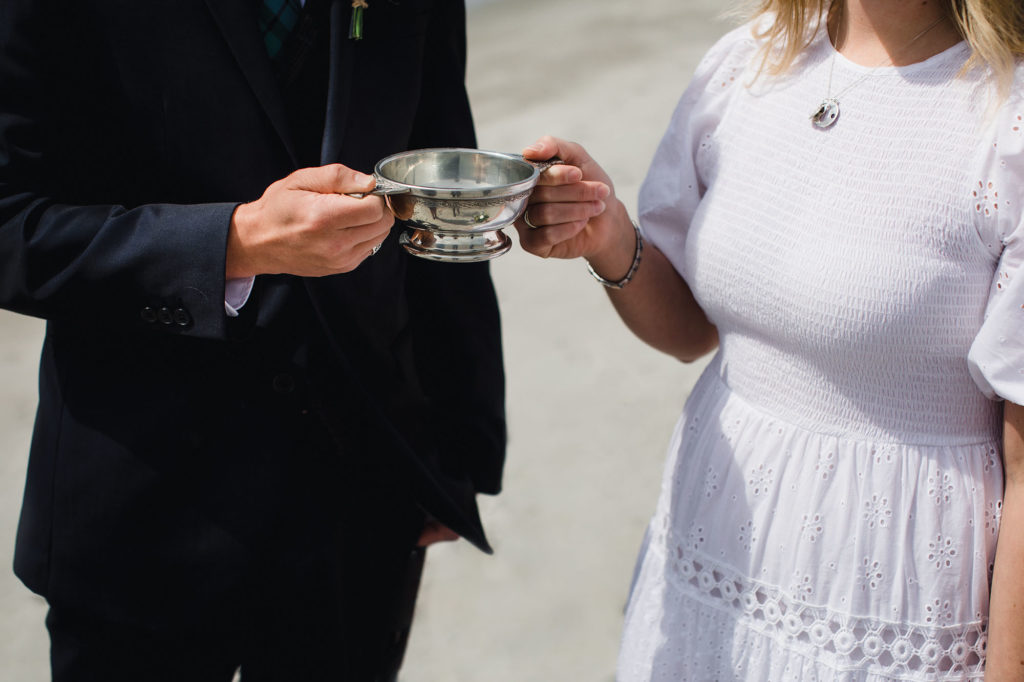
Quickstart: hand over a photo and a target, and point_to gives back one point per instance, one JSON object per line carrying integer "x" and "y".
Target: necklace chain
{"x": 827, "y": 112}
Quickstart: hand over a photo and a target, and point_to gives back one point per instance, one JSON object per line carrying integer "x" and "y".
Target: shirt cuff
{"x": 236, "y": 293}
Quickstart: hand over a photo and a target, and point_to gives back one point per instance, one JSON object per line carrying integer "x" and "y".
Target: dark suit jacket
{"x": 174, "y": 446}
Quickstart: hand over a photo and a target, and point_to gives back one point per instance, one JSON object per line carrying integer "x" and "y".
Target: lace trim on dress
{"x": 895, "y": 650}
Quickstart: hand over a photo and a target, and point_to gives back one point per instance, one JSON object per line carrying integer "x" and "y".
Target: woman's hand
{"x": 573, "y": 211}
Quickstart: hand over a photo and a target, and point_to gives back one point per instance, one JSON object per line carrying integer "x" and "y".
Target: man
{"x": 255, "y": 407}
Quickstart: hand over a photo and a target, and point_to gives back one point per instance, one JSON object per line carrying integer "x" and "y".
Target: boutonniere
{"x": 355, "y": 29}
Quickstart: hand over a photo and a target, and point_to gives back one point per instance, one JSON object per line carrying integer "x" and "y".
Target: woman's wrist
{"x": 615, "y": 261}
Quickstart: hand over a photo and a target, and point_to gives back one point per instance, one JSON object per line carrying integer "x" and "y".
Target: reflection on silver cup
{"x": 456, "y": 201}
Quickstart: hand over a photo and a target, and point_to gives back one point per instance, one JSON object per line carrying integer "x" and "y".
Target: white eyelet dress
{"x": 832, "y": 494}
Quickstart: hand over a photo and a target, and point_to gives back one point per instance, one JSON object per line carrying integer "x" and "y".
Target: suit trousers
{"x": 287, "y": 631}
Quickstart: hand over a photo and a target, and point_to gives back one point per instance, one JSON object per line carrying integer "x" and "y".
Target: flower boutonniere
{"x": 355, "y": 29}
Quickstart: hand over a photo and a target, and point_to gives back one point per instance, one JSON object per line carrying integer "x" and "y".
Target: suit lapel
{"x": 237, "y": 21}
{"x": 339, "y": 84}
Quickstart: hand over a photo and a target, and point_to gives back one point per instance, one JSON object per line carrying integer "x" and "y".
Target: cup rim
{"x": 491, "y": 192}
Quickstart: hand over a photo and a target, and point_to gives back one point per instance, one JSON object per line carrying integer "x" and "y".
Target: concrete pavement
{"x": 590, "y": 407}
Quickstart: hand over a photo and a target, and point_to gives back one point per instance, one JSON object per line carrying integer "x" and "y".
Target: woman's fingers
{"x": 549, "y": 229}
{"x": 557, "y": 204}
{"x": 571, "y": 154}
{"x": 560, "y": 219}
{"x": 560, "y": 174}
{"x": 577, "y": 191}
{"x": 543, "y": 149}
{"x": 542, "y": 242}
{"x": 549, "y": 147}
{"x": 543, "y": 214}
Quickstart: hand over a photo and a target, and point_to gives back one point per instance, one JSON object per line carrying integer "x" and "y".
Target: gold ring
{"x": 526, "y": 219}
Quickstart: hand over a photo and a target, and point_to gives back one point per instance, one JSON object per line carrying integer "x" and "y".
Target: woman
{"x": 838, "y": 206}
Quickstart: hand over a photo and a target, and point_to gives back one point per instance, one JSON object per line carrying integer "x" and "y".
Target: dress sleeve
{"x": 675, "y": 182}
{"x": 996, "y": 357}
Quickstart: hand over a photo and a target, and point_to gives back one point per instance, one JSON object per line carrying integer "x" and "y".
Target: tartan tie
{"x": 277, "y": 19}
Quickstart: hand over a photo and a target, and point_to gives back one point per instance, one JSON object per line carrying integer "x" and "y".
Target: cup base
{"x": 455, "y": 247}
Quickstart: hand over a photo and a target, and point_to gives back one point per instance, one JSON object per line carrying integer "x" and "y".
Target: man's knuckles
{"x": 326, "y": 212}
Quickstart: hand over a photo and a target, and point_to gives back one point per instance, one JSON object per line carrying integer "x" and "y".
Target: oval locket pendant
{"x": 826, "y": 114}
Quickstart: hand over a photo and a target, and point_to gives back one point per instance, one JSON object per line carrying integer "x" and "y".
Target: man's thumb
{"x": 332, "y": 179}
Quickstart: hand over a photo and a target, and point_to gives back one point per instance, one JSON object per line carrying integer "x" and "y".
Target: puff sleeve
{"x": 996, "y": 356}
{"x": 677, "y": 177}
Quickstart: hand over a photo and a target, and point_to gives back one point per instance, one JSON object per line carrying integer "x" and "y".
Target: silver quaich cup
{"x": 456, "y": 201}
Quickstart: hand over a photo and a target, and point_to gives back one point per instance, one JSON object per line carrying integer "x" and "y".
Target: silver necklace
{"x": 827, "y": 112}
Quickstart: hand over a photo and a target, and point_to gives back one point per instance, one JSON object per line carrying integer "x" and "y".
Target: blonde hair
{"x": 993, "y": 28}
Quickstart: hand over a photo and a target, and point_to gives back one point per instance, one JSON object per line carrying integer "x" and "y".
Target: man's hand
{"x": 305, "y": 225}
{"x": 435, "y": 531}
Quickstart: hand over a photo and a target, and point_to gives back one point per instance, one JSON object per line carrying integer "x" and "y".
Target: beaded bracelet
{"x": 632, "y": 268}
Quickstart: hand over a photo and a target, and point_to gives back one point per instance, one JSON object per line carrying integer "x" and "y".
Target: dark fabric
{"x": 267, "y": 642}
{"x": 302, "y": 72}
{"x": 310, "y": 35}
{"x": 277, "y": 21}
{"x": 179, "y": 454}
{"x": 86, "y": 650}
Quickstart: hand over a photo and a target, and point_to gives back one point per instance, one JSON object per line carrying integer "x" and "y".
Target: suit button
{"x": 284, "y": 383}
{"x": 182, "y": 318}
{"x": 165, "y": 316}
{"x": 148, "y": 314}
